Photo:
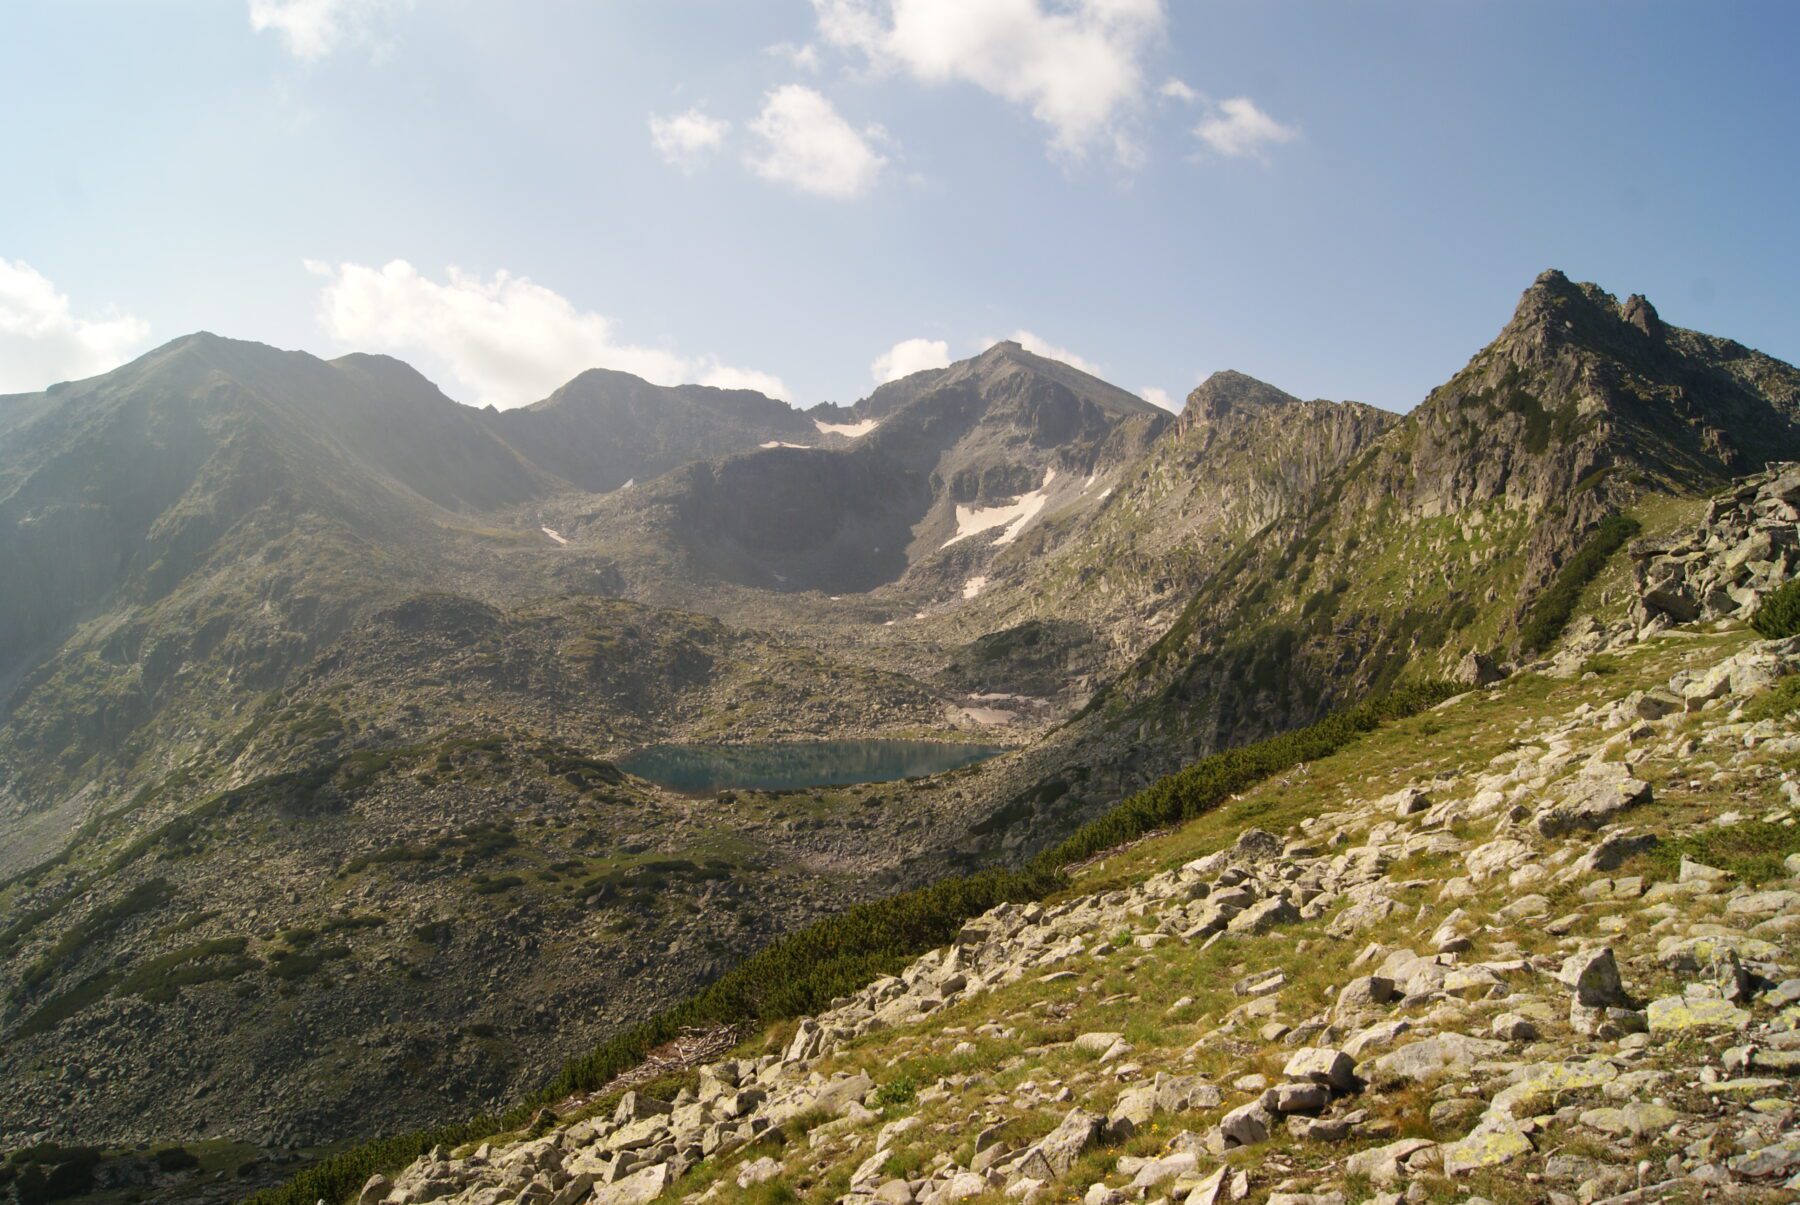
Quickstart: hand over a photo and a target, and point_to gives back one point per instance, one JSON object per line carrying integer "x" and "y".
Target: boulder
{"x": 1593, "y": 976}
{"x": 1329, "y": 1068}
{"x": 1264, "y": 915}
{"x": 1256, "y": 845}
{"x": 1496, "y": 1140}
{"x": 639, "y": 1188}
{"x": 1477, "y": 669}
{"x": 1246, "y": 1125}
{"x": 1061, "y": 1147}
{"x": 1383, "y": 1165}
{"x": 1592, "y": 798}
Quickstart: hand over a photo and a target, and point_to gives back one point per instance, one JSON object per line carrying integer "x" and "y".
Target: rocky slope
{"x": 1435, "y": 541}
{"x": 1242, "y": 455}
{"x": 1536, "y": 945}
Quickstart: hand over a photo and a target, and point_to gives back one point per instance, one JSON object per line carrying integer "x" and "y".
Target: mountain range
{"x": 313, "y": 680}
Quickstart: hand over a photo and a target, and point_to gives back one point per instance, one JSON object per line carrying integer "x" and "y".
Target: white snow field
{"x": 853, "y": 430}
{"x": 971, "y": 520}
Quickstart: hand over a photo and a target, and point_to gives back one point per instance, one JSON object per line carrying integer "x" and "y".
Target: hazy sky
{"x": 807, "y": 195}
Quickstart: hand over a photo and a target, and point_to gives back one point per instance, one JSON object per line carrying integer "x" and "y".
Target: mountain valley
{"x": 313, "y": 683}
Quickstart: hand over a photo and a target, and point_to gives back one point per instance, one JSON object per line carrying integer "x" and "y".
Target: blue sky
{"x": 1342, "y": 198}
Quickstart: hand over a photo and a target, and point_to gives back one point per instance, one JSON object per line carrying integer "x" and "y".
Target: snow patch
{"x": 776, "y": 443}
{"x": 629, "y": 484}
{"x": 853, "y": 430}
{"x": 975, "y": 585}
{"x": 987, "y": 716}
{"x": 553, "y": 534}
{"x": 1106, "y": 493}
{"x": 1013, "y": 517}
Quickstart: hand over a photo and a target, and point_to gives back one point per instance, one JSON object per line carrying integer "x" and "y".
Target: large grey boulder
{"x": 1264, "y": 915}
{"x": 1061, "y": 1147}
{"x": 1592, "y": 798}
{"x": 1332, "y": 1069}
{"x": 1246, "y": 1125}
{"x": 1593, "y": 976}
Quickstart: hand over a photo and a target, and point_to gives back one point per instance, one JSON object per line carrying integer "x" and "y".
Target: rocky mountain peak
{"x": 1229, "y": 391}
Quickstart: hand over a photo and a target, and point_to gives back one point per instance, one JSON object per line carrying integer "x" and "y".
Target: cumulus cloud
{"x": 909, "y": 356}
{"x": 723, "y": 376}
{"x": 1077, "y": 65}
{"x": 43, "y": 342}
{"x": 507, "y": 341}
{"x": 1043, "y": 347}
{"x": 313, "y": 29}
{"x": 1159, "y": 397}
{"x": 809, "y": 146}
{"x": 1174, "y": 89}
{"x": 686, "y": 139}
{"x": 805, "y": 57}
{"x": 1238, "y": 129}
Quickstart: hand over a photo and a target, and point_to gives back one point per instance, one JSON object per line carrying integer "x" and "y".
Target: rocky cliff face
{"x": 605, "y": 428}
{"x": 1438, "y": 539}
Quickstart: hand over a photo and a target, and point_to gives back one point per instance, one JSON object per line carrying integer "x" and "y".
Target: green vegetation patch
{"x": 1778, "y": 703}
{"x": 297, "y": 964}
{"x": 1752, "y": 850}
{"x": 159, "y": 979}
{"x": 51, "y": 1173}
{"x": 1189, "y": 792}
{"x": 1779, "y": 614}
{"x": 1549, "y": 615}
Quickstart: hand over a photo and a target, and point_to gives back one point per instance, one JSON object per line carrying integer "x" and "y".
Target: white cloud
{"x": 312, "y": 29}
{"x": 1175, "y": 89}
{"x": 507, "y": 341}
{"x": 807, "y": 145}
{"x": 43, "y": 342}
{"x": 721, "y": 376}
{"x": 685, "y": 139}
{"x": 909, "y": 356}
{"x": 1237, "y": 128}
{"x": 1160, "y": 397}
{"x": 1076, "y": 64}
{"x": 1043, "y": 347}
{"x": 805, "y": 57}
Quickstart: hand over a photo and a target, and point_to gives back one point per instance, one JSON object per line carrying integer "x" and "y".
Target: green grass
{"x": 1752, "y": 850}
{"x": 97, "y": 925}
{"x": 1203, "y": 785}
{"x": 1778, "y": 703}
{"x": 159, "y": 979}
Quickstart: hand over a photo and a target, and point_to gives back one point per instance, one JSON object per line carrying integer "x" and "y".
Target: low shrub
{"x": 1779, "y": 613}
{"x": 1550, "y": 613}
